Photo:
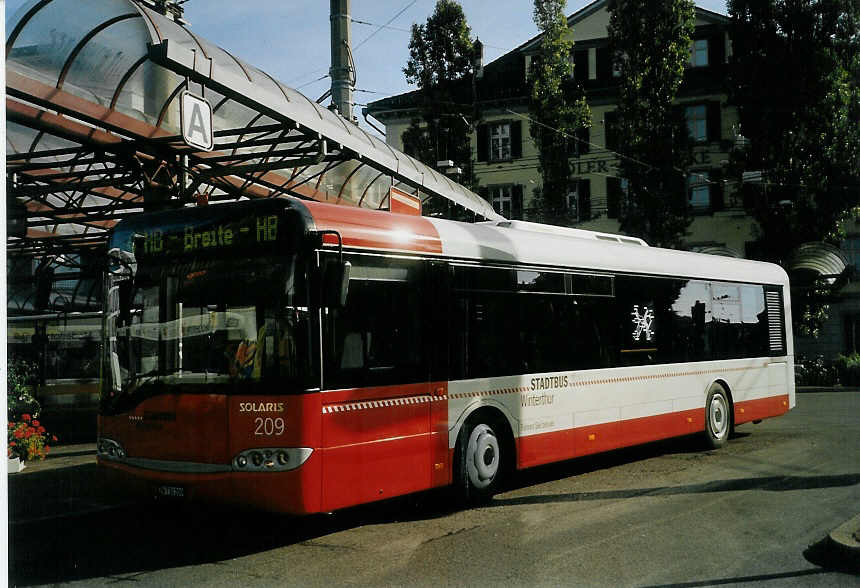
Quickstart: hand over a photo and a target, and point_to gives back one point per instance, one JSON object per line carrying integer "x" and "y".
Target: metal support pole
{"x": 341, "y": 71}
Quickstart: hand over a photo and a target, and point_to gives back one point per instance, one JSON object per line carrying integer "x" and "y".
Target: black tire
{"x": 479, "y": 462}
{"x": 718, "y": 417}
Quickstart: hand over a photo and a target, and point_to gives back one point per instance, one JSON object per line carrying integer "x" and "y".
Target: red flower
{"x": 12, "y": 444}
{"x": 35, "y": 423}
{"x": 53, "y": 437}
{"x": 41, "y": 429}
{"x": 25, "y": 417}
{"x": 19, "y": 434}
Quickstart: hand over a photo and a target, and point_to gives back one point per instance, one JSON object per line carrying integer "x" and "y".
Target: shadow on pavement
{"x": 769, "y": 483}
{"x": 823, "y": 554}
{"x": 757, "y": 578}
{"x": 64, "y": 528}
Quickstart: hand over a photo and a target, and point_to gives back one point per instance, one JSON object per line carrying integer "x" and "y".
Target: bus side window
{"x": 377, "y": 338}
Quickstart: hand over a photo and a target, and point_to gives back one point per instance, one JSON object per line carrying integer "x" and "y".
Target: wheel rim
{"x": 482, "y": 456}
{"x": 718, "y": 415}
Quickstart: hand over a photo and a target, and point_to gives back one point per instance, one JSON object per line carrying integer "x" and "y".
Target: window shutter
{"x": 483, "y": 139}
{"x": 613, "y": 197}
{"x": 516, "y": 139}
{"x": 610, "y": 123}
{"x": 584, "y": 136}
{"x": 716, "y": 188}
{"x": 580, "y": 65}
{"x": 716, "y": 50}
{"x": 604, "y": 64}
{"x": 517, "y": 204}
{"x": 584, "y": 192}
{"x": 775, "y": 320}
{"x": 714, "y": 121}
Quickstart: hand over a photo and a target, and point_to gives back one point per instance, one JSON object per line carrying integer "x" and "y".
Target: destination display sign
{"x": 249, "y": 234}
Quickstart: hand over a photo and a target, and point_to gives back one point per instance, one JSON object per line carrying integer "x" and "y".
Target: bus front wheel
{"x": 718, "y": 417}
{"x": 479, "y": 461}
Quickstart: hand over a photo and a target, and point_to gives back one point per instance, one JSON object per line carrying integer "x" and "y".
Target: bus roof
{"x": 504, "y": 244}
{"x": 520, "y": 243}
{"x": 524, "y": 243}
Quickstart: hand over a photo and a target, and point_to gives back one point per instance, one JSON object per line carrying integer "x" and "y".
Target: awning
{"x": 93, "y": 126}
{"x": 817, "y": 261}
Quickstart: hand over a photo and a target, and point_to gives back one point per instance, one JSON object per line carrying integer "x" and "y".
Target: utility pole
{"x": 341, "y": 72}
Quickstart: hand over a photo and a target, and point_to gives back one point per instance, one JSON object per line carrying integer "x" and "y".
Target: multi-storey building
{"x": 506, "y": 158}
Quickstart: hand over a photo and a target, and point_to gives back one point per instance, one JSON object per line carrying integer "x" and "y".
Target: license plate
{"x": 171, "y": 491}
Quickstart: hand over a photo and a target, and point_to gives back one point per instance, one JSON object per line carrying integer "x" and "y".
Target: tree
{"x": 440, "y": 63}
{"x": 650, "y": 45}
{"x": 795, "y": 75}
{"x": 557, "y": 108}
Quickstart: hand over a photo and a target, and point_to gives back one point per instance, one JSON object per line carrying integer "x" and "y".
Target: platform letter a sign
{"x": 196, "y": 116}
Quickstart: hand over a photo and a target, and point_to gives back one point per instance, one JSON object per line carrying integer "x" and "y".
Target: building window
{"x": 579, "y": 200}
{"x": 697, "y": 122}
{"x": 500, "y": 142}
{"x": 698, "y": 53}
{"x": 699, "y": 187}
{"x": 507, "y": 200}
{"x": 616, "y": 64}
{"x": 502, "y": 200}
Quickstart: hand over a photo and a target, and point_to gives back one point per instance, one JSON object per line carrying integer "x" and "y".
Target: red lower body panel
{"x": 761, "y": 408}
{"x": 548, "y": 447}
{"x": 364, "y": 459}
{"x": 294, "y": 492}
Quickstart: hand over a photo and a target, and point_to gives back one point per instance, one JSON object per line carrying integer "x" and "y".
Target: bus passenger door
{"x": 376, "y": 398}
{"x": 438, "y": 313}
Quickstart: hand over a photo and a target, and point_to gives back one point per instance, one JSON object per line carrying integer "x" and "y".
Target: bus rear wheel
{"x": 479, "y": 462}
{"x": 718, "y": 417}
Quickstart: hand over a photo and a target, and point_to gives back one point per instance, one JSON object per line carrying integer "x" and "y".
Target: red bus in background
{"x": 302, "y": 357}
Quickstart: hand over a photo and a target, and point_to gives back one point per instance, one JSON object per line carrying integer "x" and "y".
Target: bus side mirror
{"x": 336, "y": 284}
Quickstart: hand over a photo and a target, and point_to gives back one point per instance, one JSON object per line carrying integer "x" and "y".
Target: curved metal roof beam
{"x": 86, "y": 39}
{"x": 346, "y": 181}
{"x": 199, "y": 44}
{"x": 169, "y": 101}
{"x": 13, "y": 36}
{"x": 125, "y": 78}
{"x": 367, "y": 187}
{"x": 239, "y": 63}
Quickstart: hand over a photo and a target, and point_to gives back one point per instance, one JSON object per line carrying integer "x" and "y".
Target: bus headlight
{"x": 271, "y": 459}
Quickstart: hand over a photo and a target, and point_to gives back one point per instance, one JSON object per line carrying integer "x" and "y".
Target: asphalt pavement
{"x": 63, "y": 488}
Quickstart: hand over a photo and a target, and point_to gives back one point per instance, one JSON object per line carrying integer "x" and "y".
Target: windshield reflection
{"x": 239, "y": 322}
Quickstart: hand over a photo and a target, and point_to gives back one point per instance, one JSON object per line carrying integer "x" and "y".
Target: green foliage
{"x": 650, "y": 45}
{"x": 815, "y": 372}
{"x": 440, "y": 51}
{"x": 796, "y": 84}
{"x": 848, "y": 369}
{"x": 557, "y": 108}
{"x": 440, "y": 63}
{"x": 20, "y": 378}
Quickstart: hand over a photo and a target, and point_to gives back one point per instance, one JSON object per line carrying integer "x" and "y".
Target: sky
{"x": 289, "y": 39}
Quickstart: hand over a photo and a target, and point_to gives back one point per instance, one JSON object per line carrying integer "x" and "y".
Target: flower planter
{"x": 15, "y": 465}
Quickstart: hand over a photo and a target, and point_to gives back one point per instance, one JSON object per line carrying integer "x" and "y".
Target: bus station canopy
{"x": 93, "y": 129}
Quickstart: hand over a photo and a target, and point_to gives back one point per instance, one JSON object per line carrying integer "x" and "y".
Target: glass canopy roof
{"x": 93, "y": 128}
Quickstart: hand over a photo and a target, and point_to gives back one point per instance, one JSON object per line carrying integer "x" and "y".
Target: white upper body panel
{"x": 493, "y": 243}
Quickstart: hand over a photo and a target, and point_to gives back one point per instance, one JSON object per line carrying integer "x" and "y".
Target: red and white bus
{"x": 305, "y": 357}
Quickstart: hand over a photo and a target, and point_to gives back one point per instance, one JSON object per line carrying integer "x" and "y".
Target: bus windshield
{"x": 239, "y": 322}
